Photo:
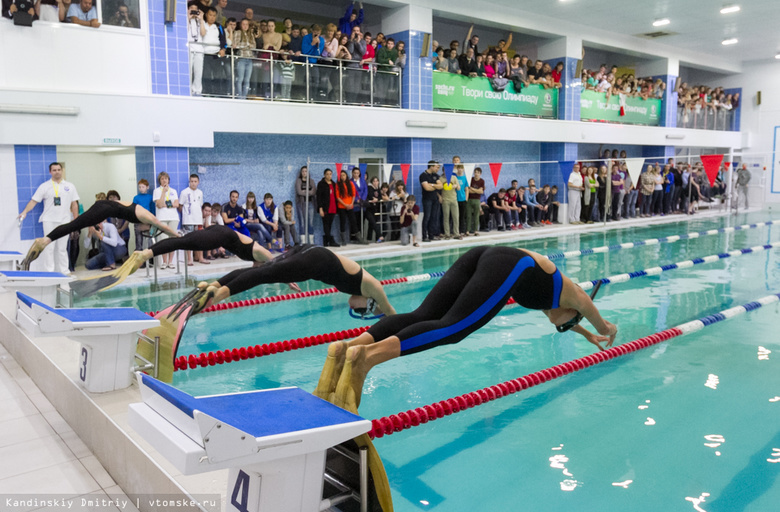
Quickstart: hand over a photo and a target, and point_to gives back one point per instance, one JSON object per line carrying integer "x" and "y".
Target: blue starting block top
{"x": 259, "y": 413}
{"x": 10, "y": 253}
{"x": 89, "y": 314}
{"x": 30, "y": 275}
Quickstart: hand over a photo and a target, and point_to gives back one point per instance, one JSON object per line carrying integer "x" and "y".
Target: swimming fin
{"x": 92, "y": 285}
{"x": 170, "y": 332}
{"x": 36, "y": 249}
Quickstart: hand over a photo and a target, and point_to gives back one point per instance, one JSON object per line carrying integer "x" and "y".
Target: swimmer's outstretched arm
{"x": 594, "y": 338}
{"x": 575, "y": 297}
{"x": 370, "y": 287}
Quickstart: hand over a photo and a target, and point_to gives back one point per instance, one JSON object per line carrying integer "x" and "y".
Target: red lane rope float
{"x": 240, "y": 354}
{"x": 279, "y": 298}
{"x": 414, "y": 417}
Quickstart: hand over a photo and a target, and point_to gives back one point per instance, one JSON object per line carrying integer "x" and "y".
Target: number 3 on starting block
{"x": 84, "y": 360}
{"x": 245, "y": 493}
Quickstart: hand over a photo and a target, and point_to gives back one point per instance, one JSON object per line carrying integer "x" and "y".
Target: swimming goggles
{"x": 366, "y": 313}
{"x": 576, "y": 319}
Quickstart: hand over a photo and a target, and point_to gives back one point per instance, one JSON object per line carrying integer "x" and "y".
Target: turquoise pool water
{"x": 690, "y": 423}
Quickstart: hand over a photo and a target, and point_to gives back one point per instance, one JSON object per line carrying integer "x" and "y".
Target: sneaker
{"x": 426, "y": 240}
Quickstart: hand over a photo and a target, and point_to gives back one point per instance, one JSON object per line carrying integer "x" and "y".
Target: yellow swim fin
{"x": 169, "y": 331}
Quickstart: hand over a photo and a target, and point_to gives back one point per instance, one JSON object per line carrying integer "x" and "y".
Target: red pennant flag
{"x": 728, "y": 164}
{"x": 405, "y": 171}
{"x": 338, "y": 170}
{"x": 711, "y": 166}
{"x": 495, "y": 170}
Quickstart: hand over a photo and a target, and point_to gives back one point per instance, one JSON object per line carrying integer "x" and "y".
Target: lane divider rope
{"x": 420, "y": 415}
{"x": 435, "y": 275}
{"x": 243, "y": 353}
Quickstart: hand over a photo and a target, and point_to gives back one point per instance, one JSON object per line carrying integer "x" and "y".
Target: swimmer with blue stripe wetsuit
{"x": 469, "y": 295}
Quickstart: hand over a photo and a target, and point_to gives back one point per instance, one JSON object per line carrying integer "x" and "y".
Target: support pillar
{"x": 569, "y": 51}
{"x": 410, "y": 24}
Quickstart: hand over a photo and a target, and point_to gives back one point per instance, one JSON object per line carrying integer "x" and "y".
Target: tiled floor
{"x": 42, "y": 458}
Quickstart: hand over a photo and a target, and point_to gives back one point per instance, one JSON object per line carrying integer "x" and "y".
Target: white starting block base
{"x": 40, "y": 286}
{"x": 108, "y": 338}
{"x": 8, "y": 259}
{"x": 273, "y": 441}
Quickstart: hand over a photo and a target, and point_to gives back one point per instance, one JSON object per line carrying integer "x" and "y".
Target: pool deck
{"x": 56, "y": 438}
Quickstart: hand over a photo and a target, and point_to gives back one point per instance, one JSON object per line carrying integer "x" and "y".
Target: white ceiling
{"x": 697, "y": 25}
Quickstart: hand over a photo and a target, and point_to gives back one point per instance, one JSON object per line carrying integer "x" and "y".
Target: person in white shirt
{"x": 60, "y": 205}
{"x": 191, "y": 205}
{"x": 112, "y": 247}
{"x": 196, "y": 49}
{"x": 575, "y": 195}
{"x": 166, "y": 200}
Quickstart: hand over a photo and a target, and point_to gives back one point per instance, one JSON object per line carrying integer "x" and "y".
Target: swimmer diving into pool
{"x": 96, "y": 214}
{"x": 301, "y": 263}
{"x": 207, "y": 239}
{"x": 469, "y": 295}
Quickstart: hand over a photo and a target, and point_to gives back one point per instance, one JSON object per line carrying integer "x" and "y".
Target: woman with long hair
{"x": 305, "y": 202}
{"x": 253, "y": 222}
{"x": 243, "y": 44}
{"x": 345, "y": 197}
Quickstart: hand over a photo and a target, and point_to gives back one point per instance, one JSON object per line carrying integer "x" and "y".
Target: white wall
{"x": 65, "y": 57}
{"x": 191, "y": 122}
{"x": 9, "y": 229}
{"x": 759, "y": 121}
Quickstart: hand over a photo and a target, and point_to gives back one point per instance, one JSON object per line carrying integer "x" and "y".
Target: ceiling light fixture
{"x": 727, "y": 42}
{"x": 661, "y": 22}
{"x": 730, "y": 9}
{"x": 777, "y": 56}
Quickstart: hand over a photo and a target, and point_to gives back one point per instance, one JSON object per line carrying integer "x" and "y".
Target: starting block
{"x": 108, "y": 338}
{"x": 40, "y": 286}
{"x": 8, "y": 259}
{"x": 274, "y": 441}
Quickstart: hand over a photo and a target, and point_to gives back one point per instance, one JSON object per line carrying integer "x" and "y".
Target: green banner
{"x": 594, "y": 106}
{"x": 457, "y": 92}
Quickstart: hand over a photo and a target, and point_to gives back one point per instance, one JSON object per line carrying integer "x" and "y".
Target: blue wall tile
{"x": 32, "y": 169}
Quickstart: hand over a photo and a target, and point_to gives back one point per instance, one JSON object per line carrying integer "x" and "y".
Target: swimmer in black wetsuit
{"x": 301, "y": 263}
{"x": 96, "y": 214}
{"x": 469, "y": 295}
{"x": 212, "y": 237}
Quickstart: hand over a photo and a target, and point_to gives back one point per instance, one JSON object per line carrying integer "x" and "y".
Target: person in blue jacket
{"x": 350, "y": 19}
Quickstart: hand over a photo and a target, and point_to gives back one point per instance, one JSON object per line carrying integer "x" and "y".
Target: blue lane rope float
{"x": 436, "y": 275}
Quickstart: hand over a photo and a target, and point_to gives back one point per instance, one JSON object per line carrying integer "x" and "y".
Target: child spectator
{"x": 287, "y": 68}
{"x": 288, "y": 225}
{"x": 122, "y": 226}
{"x": 143, "y": 198}
{"x": 408, "y": 219}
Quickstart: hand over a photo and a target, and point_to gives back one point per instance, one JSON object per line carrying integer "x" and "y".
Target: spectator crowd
{"x": 497, "y": 63}
{"x": 335, "y": 62}
{"x": 350, "y": 209}
{"x": 78, "y": 12}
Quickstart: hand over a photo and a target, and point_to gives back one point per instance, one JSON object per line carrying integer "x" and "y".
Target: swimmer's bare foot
{"x": 331, "y": 371}
{"x": 350, "y": 386}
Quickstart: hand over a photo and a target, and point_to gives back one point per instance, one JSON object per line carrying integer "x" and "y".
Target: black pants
{"x": 214, "y": 79}
{"x": 462, "y": 217}
{"x": 469, "y": 295}
{"x": 327, "y": 225}
{"x": 347, "y": 216}
{"x": 429, "y": 217}
{"x": 373, "y": 226}
{"x": 96, "y": 214}
{"x": 658, "y": 197}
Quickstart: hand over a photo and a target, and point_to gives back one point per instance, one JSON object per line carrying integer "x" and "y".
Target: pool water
{"x": 689, "y": 424}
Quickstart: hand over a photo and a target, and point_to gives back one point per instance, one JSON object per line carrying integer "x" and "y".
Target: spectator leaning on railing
{"x": 84, "y": 14}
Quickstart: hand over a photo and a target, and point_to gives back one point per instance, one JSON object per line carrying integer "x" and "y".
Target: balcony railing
{"x": 707, "y": 118}
{"x": 276, "y": 76}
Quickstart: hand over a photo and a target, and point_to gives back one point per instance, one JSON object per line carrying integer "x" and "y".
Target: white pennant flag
{"x": 635, "y": 168}
{"x": 468, "y": 170}
{"x": 387, "y": 170}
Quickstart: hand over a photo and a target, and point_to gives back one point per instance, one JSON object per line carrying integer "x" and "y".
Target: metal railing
{"x": 707, "y": 118}
{"x": 279, "y": 76}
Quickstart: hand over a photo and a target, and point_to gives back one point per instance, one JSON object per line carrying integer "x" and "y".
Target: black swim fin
{"x": 87, "y": 287}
